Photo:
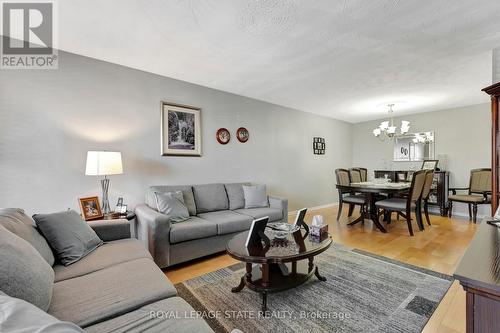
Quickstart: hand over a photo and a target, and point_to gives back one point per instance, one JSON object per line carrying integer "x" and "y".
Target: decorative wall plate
{"x": 223, "y": 136}
{"x": 242, "y": 134}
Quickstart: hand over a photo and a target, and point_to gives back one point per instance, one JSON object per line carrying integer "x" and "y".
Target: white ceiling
{"x": 342, "y": 59}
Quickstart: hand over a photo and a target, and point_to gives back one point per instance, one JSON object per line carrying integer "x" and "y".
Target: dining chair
{"x": 426, "y": 191}
{"x": 343, "y": 178}
{"x": 364, "y": 174}
{"x": 478, "y": 191}
{"x": 355, "y": 175}
{"x": 404, "y": 206}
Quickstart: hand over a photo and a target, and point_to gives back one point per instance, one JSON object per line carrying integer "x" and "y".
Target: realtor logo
{"x": 28, "y": 35}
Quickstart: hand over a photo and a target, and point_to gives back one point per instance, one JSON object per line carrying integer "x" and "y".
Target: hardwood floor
{"x": 439, "y": 247}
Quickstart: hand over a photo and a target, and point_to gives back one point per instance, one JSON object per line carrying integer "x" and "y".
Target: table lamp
{"x": 104, "y": 163}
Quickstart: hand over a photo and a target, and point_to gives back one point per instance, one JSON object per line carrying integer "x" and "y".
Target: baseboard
{"x": 294, "y": 212}
{"x": 431, "y": 210}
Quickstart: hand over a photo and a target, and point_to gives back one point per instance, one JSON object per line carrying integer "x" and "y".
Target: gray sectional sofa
{"x": 113, "y": 288}
{"x": 216, "y": 212}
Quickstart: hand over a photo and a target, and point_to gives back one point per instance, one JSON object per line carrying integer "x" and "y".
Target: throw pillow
{"x": 25, "y": 274}
{"x": 235, "y": 195}
{"x": 20, "y": 316}
{"x": 68, "y": 234}
{"x": 255, "y": 196}
{"x": 172, "y": 205}
{"x": 20, "y": 224}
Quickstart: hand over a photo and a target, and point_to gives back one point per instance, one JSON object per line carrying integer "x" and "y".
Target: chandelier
{"x": 386, "y": 129}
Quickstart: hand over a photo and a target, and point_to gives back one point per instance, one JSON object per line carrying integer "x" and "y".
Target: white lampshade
{"x": 377, "y": 131}
{"x": 384, "y": 125}
{"x": 391, "y": 130}
{"x": 103, "y": 163}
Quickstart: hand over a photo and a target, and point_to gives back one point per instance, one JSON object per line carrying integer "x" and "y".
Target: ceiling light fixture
{"x": 386, "y": 129}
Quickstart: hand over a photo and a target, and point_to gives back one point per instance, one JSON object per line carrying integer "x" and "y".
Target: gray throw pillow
{"x": 20, "y": 224}
{"x": 172, "y": 205}
{"x": 24, "y": 273}
{"x": 68, "y": 234}
{"x": 255, "y": 196}
{"x": 235, "y": 195}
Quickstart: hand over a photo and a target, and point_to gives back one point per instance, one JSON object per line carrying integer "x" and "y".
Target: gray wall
{"x": 462, "y": 135}
{"x": 50, "y": 118}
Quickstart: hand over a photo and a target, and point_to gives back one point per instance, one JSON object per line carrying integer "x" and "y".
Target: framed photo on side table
{"x": 90, "y": 208}
{"x": 180, "y": 130}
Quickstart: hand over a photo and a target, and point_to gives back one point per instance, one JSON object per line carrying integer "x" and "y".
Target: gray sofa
{"x": 216, "y": 212}
{"x": 113, "y": 288}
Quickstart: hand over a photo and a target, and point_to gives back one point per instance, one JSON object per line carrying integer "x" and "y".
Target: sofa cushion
{"x": 273, "y": 213}
{"x": 210, "y": 198}
{"x": 18, "y": 316}
{"x": 187, "y": 193}
{"x": 228, "y": 221}
{"x": 172, "y": 205}
{"x": 68, "y": 234}
{"x": 255, "y": 196}
{"x": 17, "y": 222}
{"x": 104, "y": 256}
{"x": 24, "y": 273}
{"x": 155, "y": 317}
{"x": 193, "y": 228}
{"x": 109, "y": 292}
{"x": 235, "y": 195}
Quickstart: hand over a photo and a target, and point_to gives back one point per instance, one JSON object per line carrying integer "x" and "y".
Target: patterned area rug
{"x": 363, "y": 293}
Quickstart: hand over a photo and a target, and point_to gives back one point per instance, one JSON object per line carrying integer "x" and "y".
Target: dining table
{"x": 374, "y": 190}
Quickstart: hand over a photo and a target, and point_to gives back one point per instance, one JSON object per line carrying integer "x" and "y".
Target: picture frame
{"x": 90, "y": 208}
{"x": 429, "y": 164}
{"x": 223, "y": 136}
{"x": 180, "y": 130}
{"x": 319, "y": 146}
{"x": 242, "y": 134}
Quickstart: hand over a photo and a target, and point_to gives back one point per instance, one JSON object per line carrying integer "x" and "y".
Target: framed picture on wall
{"x": 180, "y": 130}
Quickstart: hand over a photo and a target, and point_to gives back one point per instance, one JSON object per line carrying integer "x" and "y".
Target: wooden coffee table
{"x": 284, "y": 265}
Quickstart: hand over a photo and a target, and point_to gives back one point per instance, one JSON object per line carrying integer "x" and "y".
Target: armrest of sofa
{"x": 110, "y": 230}
{"x": 153, "y": 230}
{"x": 280, "y": 203}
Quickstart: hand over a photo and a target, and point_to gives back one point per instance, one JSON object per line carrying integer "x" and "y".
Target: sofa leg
{"x": 450, "y": 208}
{"x": 470, "y": 212}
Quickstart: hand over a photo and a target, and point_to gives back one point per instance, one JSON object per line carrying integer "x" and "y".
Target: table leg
{"x": 359, "y": 219}
{"x": 247, "y": 277}
{"x": 265, "y": 275}
{"x": 264, "y": 302}
{"x": 374, "y": 213}
{"x": 319, "y": 276}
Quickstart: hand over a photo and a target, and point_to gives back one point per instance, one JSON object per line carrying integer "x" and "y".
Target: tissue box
{"x": 318, "y": 233}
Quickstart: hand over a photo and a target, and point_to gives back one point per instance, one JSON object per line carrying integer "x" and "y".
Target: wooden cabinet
{"x": 494, "y": 92}
{"x": 479, "y": 275}
{"x": 440, "y": 186}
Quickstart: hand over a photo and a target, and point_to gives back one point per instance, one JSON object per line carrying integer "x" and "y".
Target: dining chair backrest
{"x": 355, "y": 175}
{"x": 417, "y": 185}
{"x": 480, "y": 180}
{"x": 342, "y": 177}
{"x": 429, "y": 177}
{"x": 364, "y": 174}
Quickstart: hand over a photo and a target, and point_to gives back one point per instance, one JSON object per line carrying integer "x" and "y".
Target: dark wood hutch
{"x": 494, "y": 92}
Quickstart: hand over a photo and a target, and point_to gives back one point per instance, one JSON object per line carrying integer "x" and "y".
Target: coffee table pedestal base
{"x": 269, "y": 278}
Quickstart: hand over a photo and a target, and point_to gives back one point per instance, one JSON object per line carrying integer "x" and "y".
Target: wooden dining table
{"x": 372, "y": 191}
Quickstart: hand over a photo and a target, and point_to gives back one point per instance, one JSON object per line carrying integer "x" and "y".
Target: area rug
{"x": 363, "y": 293}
